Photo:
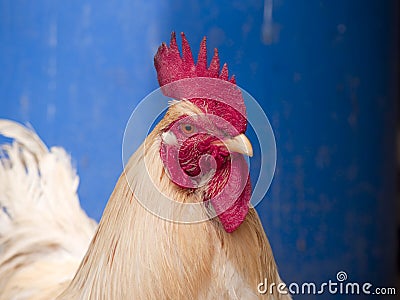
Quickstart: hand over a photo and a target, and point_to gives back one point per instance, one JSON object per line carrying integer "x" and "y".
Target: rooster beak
{"x": 239, "y": 144}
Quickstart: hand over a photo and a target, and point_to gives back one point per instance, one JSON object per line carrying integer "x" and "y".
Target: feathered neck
{"x": 137, "y": 255}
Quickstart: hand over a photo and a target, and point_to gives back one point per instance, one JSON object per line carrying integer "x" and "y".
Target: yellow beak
{"x": 239, "y": 144}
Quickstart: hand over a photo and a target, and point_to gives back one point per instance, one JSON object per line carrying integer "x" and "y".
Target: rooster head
{"x": 203, "y": 142}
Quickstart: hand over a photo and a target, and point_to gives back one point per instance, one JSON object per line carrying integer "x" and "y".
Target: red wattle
{"x": 232, "y": 201}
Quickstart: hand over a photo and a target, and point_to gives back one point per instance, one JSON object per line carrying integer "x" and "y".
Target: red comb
{"x": 223, "y": 99}
{"x": 171, "y": 66}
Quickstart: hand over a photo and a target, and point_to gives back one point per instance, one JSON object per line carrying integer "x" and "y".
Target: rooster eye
{"x": 187, "y": 128}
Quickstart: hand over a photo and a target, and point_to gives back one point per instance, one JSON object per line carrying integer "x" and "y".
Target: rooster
{"x": 50, "y": 249}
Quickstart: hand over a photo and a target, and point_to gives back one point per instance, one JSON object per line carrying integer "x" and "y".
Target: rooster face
{"x": 203, "y": 143}
{"x": 205, "y": 152}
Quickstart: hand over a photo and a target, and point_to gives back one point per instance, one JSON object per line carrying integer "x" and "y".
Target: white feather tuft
{"x": 44, "y": 233}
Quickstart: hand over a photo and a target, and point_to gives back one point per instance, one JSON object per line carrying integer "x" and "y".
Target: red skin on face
{"x": 194, "y": 156}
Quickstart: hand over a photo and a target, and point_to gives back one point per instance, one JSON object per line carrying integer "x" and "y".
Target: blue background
{"x": 324, "y": 72}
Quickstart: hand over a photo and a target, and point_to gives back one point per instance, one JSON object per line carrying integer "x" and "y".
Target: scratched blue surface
{"x": 322, "y": 71}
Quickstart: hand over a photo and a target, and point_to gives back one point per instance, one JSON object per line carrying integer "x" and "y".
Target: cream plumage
{"x": 134, "y": 254}
{"x": 44, "y": 233}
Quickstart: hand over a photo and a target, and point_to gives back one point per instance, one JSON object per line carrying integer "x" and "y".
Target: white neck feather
{"x": 137, "y": 255}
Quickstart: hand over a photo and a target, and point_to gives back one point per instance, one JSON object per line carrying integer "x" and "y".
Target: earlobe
{"x": 169, "y": 138}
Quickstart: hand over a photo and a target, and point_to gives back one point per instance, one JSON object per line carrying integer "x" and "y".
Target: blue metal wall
{"x": 322, "y": 70}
